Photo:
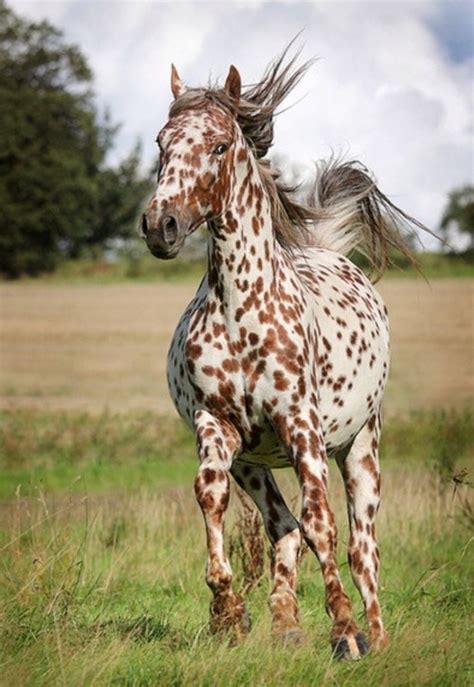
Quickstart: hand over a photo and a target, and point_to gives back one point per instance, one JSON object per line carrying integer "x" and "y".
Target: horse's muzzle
{"x": 165, "y": 239}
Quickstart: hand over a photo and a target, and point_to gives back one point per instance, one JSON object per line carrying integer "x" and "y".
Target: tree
{"x": 120, "y": 193}
{"x": 459, "y": 212}
{"x": 54, "y": 182}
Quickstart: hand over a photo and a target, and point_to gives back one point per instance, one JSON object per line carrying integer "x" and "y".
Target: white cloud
{"x": 384, "y": 89}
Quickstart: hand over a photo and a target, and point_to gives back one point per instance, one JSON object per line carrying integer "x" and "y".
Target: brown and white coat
{"x": 281, "y": 359}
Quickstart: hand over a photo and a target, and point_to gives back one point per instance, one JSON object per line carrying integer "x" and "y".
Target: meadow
{"x": 102, "y": 543}
{"x": 89, "y": 345}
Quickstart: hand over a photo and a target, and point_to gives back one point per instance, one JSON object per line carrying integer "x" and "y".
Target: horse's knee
{"x": 211, "y": 487}
{"x": 218, "y": 577}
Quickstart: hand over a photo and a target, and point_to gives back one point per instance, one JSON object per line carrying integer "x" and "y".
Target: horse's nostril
{"x": 170, "y": 229}
{"x": 144, "y": 225}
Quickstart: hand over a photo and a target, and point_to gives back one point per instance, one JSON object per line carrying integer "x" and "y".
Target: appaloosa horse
{"x": 282, "y": 356}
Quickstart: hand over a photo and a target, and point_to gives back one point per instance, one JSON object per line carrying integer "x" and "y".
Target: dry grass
{"x": 247, "y": 543}
{"x": 433, "y": 343}
{"x": 102, "y": 551}
{"x": 110, "y": 591}
{"x": 90, "y": 347}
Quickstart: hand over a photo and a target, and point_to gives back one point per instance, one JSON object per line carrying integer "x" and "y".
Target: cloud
{"x": 389, "y": 87}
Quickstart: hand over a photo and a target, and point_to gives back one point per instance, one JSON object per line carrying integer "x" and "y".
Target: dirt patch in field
{"x": 95, "y": 347}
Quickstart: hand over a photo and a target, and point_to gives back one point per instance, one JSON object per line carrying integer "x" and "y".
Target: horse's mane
{"x": 342, "y": 190}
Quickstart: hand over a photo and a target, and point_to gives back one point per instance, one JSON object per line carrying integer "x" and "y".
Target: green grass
{"x": 59, "y": 450}
{"x": 434, "y": 266}
{"x": 54, "y": 451}
{"x": 142, "y": 267}
{"x": 102, "y": 561}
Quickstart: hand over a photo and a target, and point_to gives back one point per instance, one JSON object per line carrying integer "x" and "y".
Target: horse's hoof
{"x": 239, "y": 630}
{"x": 245, "y": 623}
{"x": 350, "y": 647}
{"x": 380, "y": 641}
{"x": 229, "y": 616}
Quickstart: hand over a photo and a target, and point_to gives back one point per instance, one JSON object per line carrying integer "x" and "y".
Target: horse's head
{"x": 199, "y": 147}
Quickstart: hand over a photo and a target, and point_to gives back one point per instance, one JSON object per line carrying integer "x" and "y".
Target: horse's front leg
{"x": 302, "y": 435}
{"x": 218, "y": 443}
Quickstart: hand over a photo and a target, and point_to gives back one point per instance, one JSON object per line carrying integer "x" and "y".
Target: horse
{"x": 282, "y": 357}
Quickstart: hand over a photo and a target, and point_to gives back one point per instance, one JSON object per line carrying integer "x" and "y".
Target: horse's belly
{"x": 272, "y": 459}
{"x": 351, "y": 390}
{"x": 341, "y": 423}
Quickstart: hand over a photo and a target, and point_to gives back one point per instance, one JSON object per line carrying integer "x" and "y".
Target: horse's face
{"x": 198, "y": 148}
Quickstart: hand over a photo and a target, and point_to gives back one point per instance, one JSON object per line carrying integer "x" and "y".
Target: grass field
{"x": 102, "y": 544}
{"x": 87, "y": 347}
{"x": 138, "y": 265}
{"x": 101, "y": 573}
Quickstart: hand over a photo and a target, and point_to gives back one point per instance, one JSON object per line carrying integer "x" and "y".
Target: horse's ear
{"x": 177, "y": 86}
{"x": 233, "y": 84}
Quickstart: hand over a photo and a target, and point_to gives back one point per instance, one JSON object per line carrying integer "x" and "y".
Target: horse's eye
{"x": 220, "y": 148}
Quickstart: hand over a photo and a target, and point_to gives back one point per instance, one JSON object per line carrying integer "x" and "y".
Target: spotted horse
{"x": 281, "y": 358}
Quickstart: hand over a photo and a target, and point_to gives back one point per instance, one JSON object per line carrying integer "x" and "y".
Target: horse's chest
{"x": 228, "y": 373}
{"x": 203, "y": 370}
{"x": 238, "y": 371}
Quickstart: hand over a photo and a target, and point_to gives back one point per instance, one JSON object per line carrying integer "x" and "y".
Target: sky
{"x": 392, "y": 84}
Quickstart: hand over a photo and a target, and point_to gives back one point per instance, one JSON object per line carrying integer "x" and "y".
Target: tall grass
{"x": 58, "y": 450}
{"x": 77, "y": 451}
{"x": 104, "y": 585}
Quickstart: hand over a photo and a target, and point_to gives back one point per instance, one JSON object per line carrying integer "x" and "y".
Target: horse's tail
{"x": 353, "y": 214}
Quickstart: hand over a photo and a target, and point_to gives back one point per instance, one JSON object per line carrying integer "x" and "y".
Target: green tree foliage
{"x": 121, "y": 191}
{"x": 57, "y": 196}
{"x": 460, "y": 212}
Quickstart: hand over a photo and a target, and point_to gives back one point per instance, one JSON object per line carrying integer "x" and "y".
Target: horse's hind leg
{"x": 301, "y": 433}
{"x": 218, "y": 443}
{"x": 283, "y": 531}
{"x": 361, "y": 473}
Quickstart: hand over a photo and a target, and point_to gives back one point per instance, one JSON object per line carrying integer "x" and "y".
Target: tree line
{"x": 59, "y": 196}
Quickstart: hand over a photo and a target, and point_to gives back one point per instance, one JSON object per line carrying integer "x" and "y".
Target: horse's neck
{"x": 243, "y": 253}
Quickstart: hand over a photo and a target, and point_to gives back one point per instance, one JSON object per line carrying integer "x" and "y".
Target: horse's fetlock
{"x": 219, "y": 582}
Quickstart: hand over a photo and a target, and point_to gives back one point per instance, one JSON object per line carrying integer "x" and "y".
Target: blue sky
{"x": 392, "y": 85}
{"x": 453, "y": 25}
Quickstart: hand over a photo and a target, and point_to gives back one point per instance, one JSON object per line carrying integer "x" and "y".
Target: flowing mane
{"x": 344, "y": 210}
